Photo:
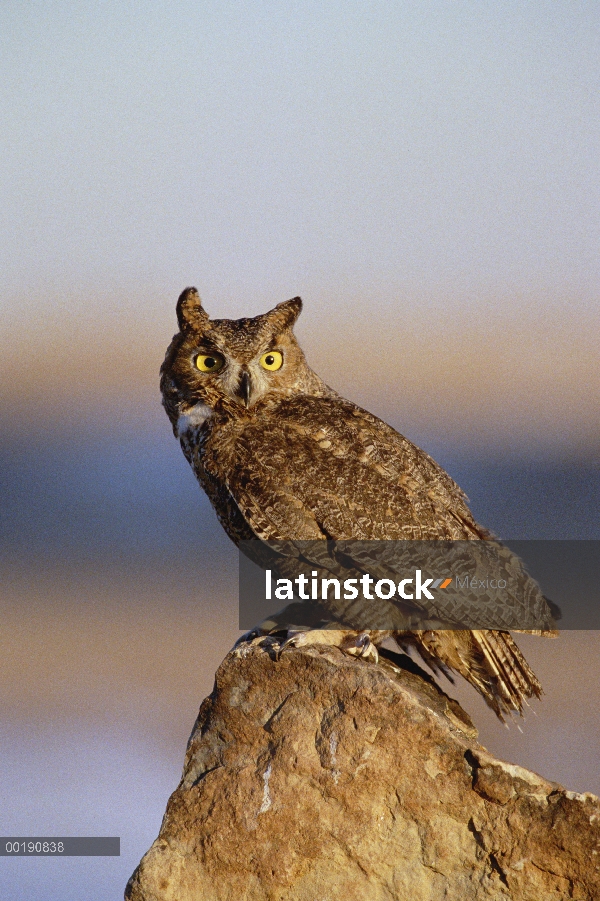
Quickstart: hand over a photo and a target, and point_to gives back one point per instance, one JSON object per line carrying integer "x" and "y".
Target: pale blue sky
{"x": 446, "y": 149}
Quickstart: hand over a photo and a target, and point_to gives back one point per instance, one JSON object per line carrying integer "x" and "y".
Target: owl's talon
{"x": 294, "y": 640}
{"x": 361, "y": 646}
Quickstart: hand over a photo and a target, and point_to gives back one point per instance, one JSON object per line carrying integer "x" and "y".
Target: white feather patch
{"x": 193, "y": 419}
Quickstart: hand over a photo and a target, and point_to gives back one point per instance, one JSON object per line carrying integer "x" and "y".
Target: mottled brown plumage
{"x": 282, "y": 456}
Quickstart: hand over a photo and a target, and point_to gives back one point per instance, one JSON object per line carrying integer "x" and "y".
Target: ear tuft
{"x": 190, "y": 312}
{"x": 286, "y": 313}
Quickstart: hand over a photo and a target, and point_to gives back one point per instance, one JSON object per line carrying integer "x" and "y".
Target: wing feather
{"x": 321, "y": 467}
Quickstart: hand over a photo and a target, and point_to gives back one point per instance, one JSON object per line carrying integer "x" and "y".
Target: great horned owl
{"x": 283, "y": 457}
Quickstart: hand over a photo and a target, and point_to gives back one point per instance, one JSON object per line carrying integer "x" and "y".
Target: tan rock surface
{"x": 319, "y": 777}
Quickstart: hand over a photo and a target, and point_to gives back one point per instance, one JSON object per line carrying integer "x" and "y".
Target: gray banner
{"x": 35, "y": 846}
{"x": 397, "y": 585}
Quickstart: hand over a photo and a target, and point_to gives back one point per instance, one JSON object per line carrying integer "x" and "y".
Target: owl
{"x": 283, "y": 457}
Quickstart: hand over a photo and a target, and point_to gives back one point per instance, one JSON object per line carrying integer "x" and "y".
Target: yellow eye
{"x": 209, "y": 362}
{"x": 272, "y": 361}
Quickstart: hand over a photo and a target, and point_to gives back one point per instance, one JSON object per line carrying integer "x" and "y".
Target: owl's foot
{"x": 252, "y": 637}
{"x": 245, "y": 645}
{"x": 357, "y": 644}
{"x": 296, "y": 617}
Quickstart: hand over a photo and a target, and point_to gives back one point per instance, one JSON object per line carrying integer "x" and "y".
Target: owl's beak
{"x": 244, "y": 388}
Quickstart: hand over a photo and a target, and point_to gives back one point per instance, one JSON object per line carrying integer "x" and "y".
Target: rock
{"x": 320, "y": 776}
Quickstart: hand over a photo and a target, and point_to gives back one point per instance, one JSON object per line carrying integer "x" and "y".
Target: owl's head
{"x": 232, "y": 366}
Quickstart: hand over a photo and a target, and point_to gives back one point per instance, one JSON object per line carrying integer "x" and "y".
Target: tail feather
{"x": 512, "y": 680}
{"x": 490, "y": 660}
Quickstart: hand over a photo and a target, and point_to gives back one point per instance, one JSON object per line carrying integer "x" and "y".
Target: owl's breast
{"x": 210, "y": 443}
{"x": 209, "y": 448}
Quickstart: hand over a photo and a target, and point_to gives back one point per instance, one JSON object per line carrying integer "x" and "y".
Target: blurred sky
{"x": 426, "y": 177}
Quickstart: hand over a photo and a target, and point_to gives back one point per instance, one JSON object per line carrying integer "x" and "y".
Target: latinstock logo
{"x": 409, "y": 589}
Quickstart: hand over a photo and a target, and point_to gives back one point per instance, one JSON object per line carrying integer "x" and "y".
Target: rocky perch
{"x": 319, "y": 777}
